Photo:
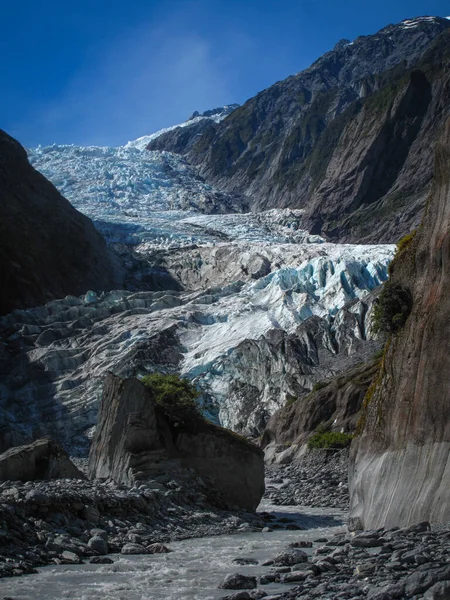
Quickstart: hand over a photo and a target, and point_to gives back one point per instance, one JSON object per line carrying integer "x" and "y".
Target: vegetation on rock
{"x": 392, "y": 308}
{"x": 176, "y": 396}
{"x": 329, "y": 439}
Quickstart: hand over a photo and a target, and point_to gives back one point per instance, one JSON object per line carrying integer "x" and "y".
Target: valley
{"x": 283, "y": 267}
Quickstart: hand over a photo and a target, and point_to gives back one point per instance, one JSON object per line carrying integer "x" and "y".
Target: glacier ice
{"x": 244, "y": 278}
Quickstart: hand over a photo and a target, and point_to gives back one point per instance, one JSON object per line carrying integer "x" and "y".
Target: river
{"x": 191, "y": 572}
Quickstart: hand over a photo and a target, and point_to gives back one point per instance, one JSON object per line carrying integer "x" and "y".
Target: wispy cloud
{"x": 153, "y": 76}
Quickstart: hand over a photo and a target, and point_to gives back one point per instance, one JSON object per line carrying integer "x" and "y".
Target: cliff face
{"x": 47, "y": 248}
{"x": 135, "y": 440}
{"x": 336, "y": 404}
{"x": 350, "y": 139}
{"x": 400, "y": 465}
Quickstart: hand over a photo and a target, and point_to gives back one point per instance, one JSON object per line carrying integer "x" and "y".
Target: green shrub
{"x": 319, "y": 385}
{"x": 392, "y": 308}
{"x": 330, "y": 439}
{"x": 176, "y": 396}
{"x": 406, "y": 240}
{"x": 290, "y": 400}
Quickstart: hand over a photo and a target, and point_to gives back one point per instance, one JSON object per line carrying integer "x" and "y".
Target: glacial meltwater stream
{"x": 192, "y": 571}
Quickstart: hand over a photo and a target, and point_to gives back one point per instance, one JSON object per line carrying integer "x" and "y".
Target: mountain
{"x": 196, "y": 124}
{"x": 47, "y": 248}
{"x": 400, "y": 461}
{"x": 350, "y": 139}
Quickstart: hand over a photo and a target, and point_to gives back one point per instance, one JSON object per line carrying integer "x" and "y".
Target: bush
{"x": 406, "y": 240}
{"x": 176, "y": 396}
{"x": 290, "y": 400}
{"x": 392, "y": 308}
{"x": 330, "y": 439}
{"x": 319, "y": 385}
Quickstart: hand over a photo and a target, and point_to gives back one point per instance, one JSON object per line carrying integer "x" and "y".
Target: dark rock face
{"x": 134, "y": 440}
{"x": 43, "y": 459}
{"x": 350, "y": 139}
{"x": 47, "y": 248}
{"x": 400, "y": 464}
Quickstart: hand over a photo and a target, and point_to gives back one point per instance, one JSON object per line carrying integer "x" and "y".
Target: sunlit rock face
{"x": 349, "y": 139}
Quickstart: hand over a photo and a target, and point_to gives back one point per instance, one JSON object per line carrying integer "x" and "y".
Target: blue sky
{"x": 105, "y": 72}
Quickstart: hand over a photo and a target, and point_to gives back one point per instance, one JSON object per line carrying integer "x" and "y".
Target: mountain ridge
{"x": 281, "y": 148}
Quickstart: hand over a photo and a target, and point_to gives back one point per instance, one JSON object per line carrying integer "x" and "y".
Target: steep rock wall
{"x": 336, "y": 405}
{"x": 47, "y": 248}
{"x": 400, "y": 466}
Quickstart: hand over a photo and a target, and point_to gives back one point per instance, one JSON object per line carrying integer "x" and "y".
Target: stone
{"x": 42, "y": 459}
{"x": 439, "y": 591}
{"x": 236, "y": 581}
{"x": 290, "y": 557}
{"x": 101, "y": 560}
{"x": 134, "y": 436}
{"x": 71, "y": 557}
{"x": 158, "y": 549}
{"x": 133, "y": 549}
{"x": 98, "y": 544}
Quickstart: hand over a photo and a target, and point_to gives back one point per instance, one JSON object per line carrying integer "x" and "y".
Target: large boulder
{"x": 43, "y": 459}
{"x": 47, "y": 248}
{"x": 135, "y": 440}
{"x": 400, "y": 465}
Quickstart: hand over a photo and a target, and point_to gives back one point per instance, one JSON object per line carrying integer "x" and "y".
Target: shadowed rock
{"x": 43, "y": 459}
{"x": 47, "y": 248}
{"x": 136, "y": 440}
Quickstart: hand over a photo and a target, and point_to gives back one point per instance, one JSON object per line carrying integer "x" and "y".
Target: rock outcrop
{"x": 400, "y": 469}
{"x": 349, "y": 139}
{"x": 135, "y": 440}
{"x": 334, "y": 405}
{"x": 43, "y": 459}
{"x": 47, "y": 248}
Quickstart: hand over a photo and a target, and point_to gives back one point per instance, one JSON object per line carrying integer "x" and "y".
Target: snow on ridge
{"x": 142, "y": 142}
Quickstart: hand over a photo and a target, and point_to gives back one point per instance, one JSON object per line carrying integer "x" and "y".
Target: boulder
{"x": 42, "y": 459}
{"x": 135, "y": 440}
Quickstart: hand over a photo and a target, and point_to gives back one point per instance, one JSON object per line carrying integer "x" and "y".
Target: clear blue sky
{"x": 105, "y": 72}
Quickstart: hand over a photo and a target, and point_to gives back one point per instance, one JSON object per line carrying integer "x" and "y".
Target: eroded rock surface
{"x": 135, "y": 440}
{"x": 43, "y": 459}
{"x": 400, "y": 471}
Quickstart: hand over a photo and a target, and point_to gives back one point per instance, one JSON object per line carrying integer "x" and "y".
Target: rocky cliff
{"x": 47, "y": 248}
{"x": 333, "y": 405}
{"x": 400, "y": 469}
{"x": 349, "y": 139}
{"x": 135, "y": 440}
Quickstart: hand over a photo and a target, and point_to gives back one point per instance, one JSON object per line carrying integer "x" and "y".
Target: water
{"x": 191, "y": 572}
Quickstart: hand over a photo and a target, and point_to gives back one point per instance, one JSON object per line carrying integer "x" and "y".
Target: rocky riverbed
{"x": 319, "y": 478}
{"x": 69, "y": 523}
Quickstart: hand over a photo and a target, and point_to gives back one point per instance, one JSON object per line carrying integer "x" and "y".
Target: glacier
{"x": 259, "y": 311}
